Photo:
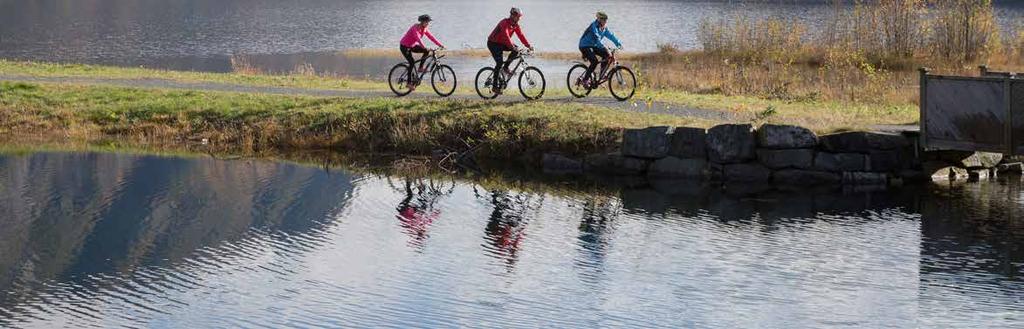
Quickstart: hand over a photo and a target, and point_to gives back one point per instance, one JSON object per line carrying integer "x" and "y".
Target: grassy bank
{"x": 820, "y": 115}
{"x": 255, "y": 122}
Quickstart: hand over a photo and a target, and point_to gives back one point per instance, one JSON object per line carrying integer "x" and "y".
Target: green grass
{"x": 254, "y": 122}
{"x": 38, "y": 69}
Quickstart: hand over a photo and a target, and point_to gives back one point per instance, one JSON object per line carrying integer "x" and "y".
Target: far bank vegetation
{"x": 867, "y": 52}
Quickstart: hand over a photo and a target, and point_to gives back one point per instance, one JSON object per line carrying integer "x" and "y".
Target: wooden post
{"x": 1008, "y": 99}
{"x": 982, "y": 70}
{"x": 923, "y": 107}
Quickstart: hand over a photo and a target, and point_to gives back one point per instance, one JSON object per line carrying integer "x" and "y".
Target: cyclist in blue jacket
{"x": 591, "y": 46}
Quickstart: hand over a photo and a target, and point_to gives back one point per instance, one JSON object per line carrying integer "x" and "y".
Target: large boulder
{"x": 731, "y": 143}
{"x": 648, "y": 143}
{"x": 796, "y": 177}
{"x": 862, "y": 142}
{"x": 672, "y": 167}
{"x": 840, "y": 162}
{"x": 557, "y": 163}
{"x": 1015, "y": 168}
{"x": 747, "y": 172}
{"x": 942, "y": 171}
{"x": 615, "y": 164}
{"x": 785, "y": 137}
{"x": 688, "y": 143}
{"x": 848, "y": 142}
{"x": 971, "y": 160}
{"x": 791, "y": 158}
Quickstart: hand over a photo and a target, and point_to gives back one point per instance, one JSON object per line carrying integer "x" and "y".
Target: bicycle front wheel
{"x": 576, "y": 81}
{"x": 398, "y": 80}
{"x": 622, "y": 83}
{"x": 487, "y": 83}
{"x": 443, "y": 80}
{"x": 532, "y": 83}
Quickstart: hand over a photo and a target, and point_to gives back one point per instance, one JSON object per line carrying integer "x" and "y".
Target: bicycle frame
{"x": 520, "y": 62}
{"x": 432, "y": 58}
{"x": 612, "y": 62}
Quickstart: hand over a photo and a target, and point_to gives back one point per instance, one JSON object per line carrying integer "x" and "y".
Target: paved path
{"x": 631, "y": 106}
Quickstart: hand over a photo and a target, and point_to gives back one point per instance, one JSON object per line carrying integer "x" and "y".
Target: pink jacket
{"x": 415, "y": 35}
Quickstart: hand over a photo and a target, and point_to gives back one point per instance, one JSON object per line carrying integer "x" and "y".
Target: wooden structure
{"x": 983, "y": 113}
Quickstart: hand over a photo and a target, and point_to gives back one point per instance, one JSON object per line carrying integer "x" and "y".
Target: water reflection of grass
{"x": 256, "y": 122}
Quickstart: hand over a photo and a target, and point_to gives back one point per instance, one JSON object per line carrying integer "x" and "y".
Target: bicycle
{"x": 442, "y": 77}
{"x": 621, "y": 80}
{"x": 489, "y": 84}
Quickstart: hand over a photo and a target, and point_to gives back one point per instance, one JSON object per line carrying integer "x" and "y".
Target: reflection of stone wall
{"x": 71, "y": 214}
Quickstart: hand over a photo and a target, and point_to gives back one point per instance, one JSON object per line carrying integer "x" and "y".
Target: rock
{"x": 979, "y": 160}
{"x": 678, "y": 168}
{"x": 791, "y": 158}
{"x": 688, "y": 143}
{"x": 785, "y": 137}
{"x": 615, "y": 164}
{"x": 849, "y": 142}
{"x": 649, "y": 143}
{"x": 557, "y": 163}
{"x": 978, "y": 174}
{"x": 942, "y": 171}
{"x": 840, "y": 162}
{"x": 865, "y": 178}
{"x": 1015, "y": 168}
{"x": 747, "y": 172}
{"x": 879, "y": 141}
{"x": 884, "y": 161}
{"x": 798, "y": 177}
{"x": 731, "y": 143}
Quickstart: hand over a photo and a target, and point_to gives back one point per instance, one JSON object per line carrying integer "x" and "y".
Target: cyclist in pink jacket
{"x": 412, "y": 42}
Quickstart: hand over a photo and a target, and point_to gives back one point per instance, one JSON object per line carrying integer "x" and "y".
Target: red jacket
{"x": 502, "y": 33}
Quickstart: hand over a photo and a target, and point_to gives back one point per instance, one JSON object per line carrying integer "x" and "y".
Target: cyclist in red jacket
{"x": 500, "y": 40}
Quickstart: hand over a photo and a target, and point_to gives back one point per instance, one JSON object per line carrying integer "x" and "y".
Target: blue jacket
{"x": 593, "y": 35}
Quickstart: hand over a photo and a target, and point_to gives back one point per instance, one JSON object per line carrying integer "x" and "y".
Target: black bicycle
{"x": 621, "y": 80}
{"x": 490, "y": 84}
{"x": 442, "y": 77}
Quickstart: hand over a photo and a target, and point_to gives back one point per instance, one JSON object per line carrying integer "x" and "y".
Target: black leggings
{"x": 591, "y": 54}
{"x": 407, "y": 53}
{"x": 496, "y": 52}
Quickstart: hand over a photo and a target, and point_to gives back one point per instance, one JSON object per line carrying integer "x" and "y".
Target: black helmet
{"x": 515, "y": 12}
{"x": 425, "y": 18}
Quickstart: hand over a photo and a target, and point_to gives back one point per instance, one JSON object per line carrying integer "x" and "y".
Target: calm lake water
{"x": 201, "y": 34}
{"x": 119, "y": 240}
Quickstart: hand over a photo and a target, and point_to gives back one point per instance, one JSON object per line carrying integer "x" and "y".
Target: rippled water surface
{"x": 104, "y": 239}
{"x": 199, "y": 34}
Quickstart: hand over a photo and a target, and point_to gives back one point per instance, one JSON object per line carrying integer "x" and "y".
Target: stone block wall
{"x": 780, "y": 155}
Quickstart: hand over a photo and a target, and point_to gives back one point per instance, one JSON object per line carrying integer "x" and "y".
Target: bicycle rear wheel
{"x": 574, "y": 81}
{"x": 532, "y": 83}
{"x": 443, "y": 80}
{"x": 486, "y": 79}
{"x": 398, "y": 79}
{"x": 622, "y": 83}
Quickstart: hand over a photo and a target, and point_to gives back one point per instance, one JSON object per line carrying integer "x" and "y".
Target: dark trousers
{"x": 407, "y": 53}
{"x": 591, "y": 54}
{"x": 497, "y": 50}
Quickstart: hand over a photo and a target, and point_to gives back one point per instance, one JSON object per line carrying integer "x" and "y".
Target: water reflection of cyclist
{"x": 417, "y": 211}
{"x": 506, "y": 227}
{"x": 500, "y": 41}
{"x": 412, "y": 42}
{"x": 592, "y": 47}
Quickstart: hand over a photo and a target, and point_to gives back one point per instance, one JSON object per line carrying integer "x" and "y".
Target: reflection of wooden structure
{"x": 984, "y": 113}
